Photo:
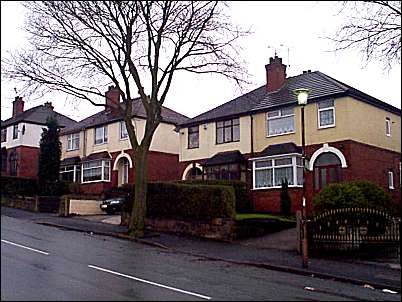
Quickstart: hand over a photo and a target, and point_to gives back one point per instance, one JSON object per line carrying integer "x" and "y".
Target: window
{"x": 101, "y": 135}
{"x": 193, "y": 137}
{"x": 3, "y": 159}
{"x": 3, "y": 135}
{"x": 123, "y": 130}
{"x": 269, "y": 173}
{"x": 15, "y": 131}
{"x": 228, "y": 131}
{"x": 326, "y": 114}
{"x": 390, "y": 180}
{"x": 227, "y": 172}
{"x": 281, "y": 121}
{"x": 13, "y": 164}
{"x": 96, "y": 170}
{"x": 73, "y": 141}
{"x": 388, "y": 126}
{"x": 70, "y": 173}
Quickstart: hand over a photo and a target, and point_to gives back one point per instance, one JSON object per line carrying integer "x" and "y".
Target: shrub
{"x": 12, "y": 185}
{"x": 286, "y": 202}
{"x": 352, "y": 194}
{"x": 186, "y": 202}
{"x": 243, "y": 201}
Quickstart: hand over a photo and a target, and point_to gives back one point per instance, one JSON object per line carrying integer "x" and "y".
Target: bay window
{"x": 70, "y": 173}
{"x": 96, "y": 170}
{"x": 281, "y": 121}
{"x": 270, "y": 172}
{"x": 326, "y": 114}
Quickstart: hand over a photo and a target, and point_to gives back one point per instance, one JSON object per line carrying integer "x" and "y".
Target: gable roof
{"x": 108, "y": 116}
{"x": 321, "y": 86}
{"x": 38, "y": 115}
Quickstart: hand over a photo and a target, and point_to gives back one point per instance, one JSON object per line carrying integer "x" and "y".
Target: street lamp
{"x": 302, "y": 95}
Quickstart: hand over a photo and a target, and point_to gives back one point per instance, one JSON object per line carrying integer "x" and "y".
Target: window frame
{"x": 70, "y": 140}
{"x": 294, "y": 166}
{"x": 231, "y": 126}
{"x": 121, "y": 130}
{"x": 15, "y": 131}
{"x": 388, "y": 126}
{"x": 326, "y": 109}
{"x": 74, "y": 170}
{"x": 280, "y": 116}
{"x": 104, "y": 135}
{"x": 102, "y": 166}
{"x": 4, "y": 135}
{"x": 391, "y": 180}
{"x": 193, "y": 132}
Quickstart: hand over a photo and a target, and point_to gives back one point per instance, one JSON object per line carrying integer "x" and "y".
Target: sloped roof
{"x": 107, "y": 116}
{"x": 321, "y": 86}
{"x": 38, "y": 115}
{"x": 285, "y": 148}
{"x": 227, "y": 157}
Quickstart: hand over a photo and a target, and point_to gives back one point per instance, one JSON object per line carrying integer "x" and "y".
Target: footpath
{"x": 380, "y": 274}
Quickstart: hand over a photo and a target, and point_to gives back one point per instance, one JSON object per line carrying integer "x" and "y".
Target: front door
{"x": 327, "y": 169}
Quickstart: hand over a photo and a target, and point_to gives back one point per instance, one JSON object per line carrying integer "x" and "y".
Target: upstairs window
{"x": 73, "y": 142}
{"x": 123, "y": 130}
{"x": 15, "y": 131}
{"x": 228, "y": 131}
{"x": 388, "y": 126}
{"x": 281, "y": 121}
{"x": 100, "y": 135}
{"x": 3, "y": 135}
{"x": 326, "y": 114}
{"x": 193, "y": 137}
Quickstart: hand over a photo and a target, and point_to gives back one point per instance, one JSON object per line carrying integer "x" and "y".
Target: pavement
{"x": 274, "y": 252}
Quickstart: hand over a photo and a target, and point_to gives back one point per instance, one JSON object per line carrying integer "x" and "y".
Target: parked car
{"x": 112, "y": 205}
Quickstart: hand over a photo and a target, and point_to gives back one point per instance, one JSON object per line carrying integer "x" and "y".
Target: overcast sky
{"x": 298, "y": 26}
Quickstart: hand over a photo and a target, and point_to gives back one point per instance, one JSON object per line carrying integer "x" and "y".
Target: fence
{"x": 355, "y": 231}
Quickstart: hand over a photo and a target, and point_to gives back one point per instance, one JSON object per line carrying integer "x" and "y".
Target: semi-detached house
{"x": 97, "y": 152}
{"x": 256, "y": 138}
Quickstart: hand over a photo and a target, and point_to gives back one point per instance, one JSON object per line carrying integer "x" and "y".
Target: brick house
{"x": 256, "y": 138}
{"x": 20, "y": 137}
{"x": 97, "y": 152}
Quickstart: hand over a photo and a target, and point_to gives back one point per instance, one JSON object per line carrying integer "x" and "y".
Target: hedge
{"x": 185, "y": 201}
{"x": 362, "y": 194}
{"x": 13, "y": 185}
{"x": 243, "y": 201}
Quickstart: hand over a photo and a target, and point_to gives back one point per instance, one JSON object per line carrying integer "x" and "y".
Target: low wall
{"x": 21, "y": 202}
{"x": 218, "y": 228}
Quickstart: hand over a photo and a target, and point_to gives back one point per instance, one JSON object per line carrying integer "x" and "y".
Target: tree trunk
{"x": 137, "y": 220}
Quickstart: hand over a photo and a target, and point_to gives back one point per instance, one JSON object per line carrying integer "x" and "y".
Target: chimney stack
{"x": 112, "y": 97}
{"x": 276, "y": 74}
{"x": 18, "y": 106}
{"x": 48, "y": 105}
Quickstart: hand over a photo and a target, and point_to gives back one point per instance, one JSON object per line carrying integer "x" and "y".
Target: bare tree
{"x": 374, "y": 28}
{"x": 77, "y": 47}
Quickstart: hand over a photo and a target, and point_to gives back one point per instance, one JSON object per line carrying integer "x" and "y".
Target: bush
{"x": 186, "y": 202}
{"x": 360, "y": 194}
{"x": 286, "y": 202}
{"x": 243, "y": 201}
{"x": 12, "y": 185}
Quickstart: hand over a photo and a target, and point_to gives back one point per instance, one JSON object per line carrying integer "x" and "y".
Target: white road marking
{"x": 150, "y": 282}
{"x": 25, "y": 247}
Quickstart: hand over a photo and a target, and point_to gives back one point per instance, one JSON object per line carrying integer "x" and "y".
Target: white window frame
{"x": 280, "y": 115}
{"x": 15, "y": 129}
{"x": 103, "y": 161}
{"x": 71, "y": 138}
{"x": 294, "y": 165}
{"x": 74, "y": 170}
{"x": 123, "y": 124}
{"x": 325, "y": 109}
{"x": 104, "y": 135}
{"x": 387, "y": 126}
{"x": 391, "y": 180}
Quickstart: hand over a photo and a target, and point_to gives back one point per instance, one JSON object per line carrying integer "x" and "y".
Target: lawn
{"x": 242, "y": 216}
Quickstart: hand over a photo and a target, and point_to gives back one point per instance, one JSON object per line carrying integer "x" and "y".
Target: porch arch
{"x": 326, "y": 148}
{"x": 121, "y": 155}
{"x": 188, "y": 168}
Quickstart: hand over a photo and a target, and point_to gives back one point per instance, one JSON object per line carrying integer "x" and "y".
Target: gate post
{"x": 298, "y": 230}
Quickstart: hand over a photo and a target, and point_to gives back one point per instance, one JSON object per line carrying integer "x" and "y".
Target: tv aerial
{"x": 281, "y": 47}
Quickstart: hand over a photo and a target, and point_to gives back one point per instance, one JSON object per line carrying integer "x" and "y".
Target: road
{"x": 46, "y": 263}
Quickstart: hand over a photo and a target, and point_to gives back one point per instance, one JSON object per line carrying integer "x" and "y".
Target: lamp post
{"x": 302, "y": 95}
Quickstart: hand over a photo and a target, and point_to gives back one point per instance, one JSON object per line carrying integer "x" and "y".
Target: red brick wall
{"x": 27, "y": 161}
